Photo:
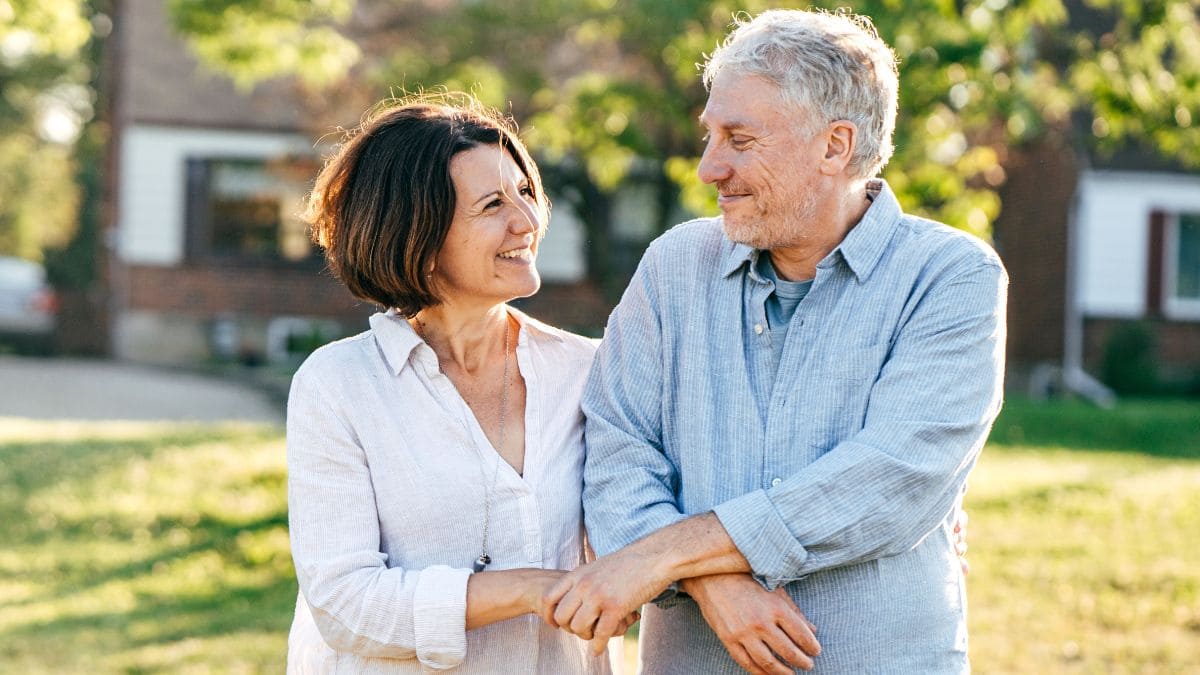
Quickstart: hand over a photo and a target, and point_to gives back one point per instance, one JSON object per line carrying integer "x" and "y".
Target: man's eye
{"x": 740, "y": 141}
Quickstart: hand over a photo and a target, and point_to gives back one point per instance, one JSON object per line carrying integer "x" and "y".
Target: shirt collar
{"x": 865, "y": 243}
{"x": 395, "y": 337}
{"x": 397, "y": 340}
{"x": 862, "y": 247}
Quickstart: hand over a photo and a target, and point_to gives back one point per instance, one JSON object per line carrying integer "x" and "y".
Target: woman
{"x": 435, "y": 461}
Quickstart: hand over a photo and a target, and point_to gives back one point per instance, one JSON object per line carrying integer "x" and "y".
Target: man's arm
{"x": 881, "y": 491}
{"x": 629, "y": 485}
{"x": 876, "y": 494}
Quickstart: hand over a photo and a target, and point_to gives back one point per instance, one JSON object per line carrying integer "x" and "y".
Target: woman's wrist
{"x": 536, "y": 583}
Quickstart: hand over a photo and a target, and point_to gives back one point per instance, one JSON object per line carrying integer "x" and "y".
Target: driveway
{"x": 80, "y": 389}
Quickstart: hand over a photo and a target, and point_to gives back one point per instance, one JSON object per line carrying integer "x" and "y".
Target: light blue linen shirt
{"x": 843, "y": 489}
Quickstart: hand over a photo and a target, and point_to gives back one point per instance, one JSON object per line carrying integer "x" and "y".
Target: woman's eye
{"x": 527, "y": 191}
{"x": 495, "y": 203}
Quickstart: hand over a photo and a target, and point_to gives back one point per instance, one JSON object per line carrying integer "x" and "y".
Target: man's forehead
{"x": 740, "y": 100}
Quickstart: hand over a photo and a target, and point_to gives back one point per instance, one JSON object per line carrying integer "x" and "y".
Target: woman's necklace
{"x": 484, "y": 559}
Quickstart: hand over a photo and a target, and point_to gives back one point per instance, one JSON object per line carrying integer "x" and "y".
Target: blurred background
{"x": 153, "y": 160}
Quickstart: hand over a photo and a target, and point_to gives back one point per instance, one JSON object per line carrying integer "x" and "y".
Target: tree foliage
{"x": 613, "y": 86}
{"x": 611, "y": 89}
{"x": 43, "y": 96}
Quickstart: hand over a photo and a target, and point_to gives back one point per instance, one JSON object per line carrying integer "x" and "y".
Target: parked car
{"x": 28, "y": 306}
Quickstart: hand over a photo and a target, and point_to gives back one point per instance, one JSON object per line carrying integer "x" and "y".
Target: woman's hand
{"x": 539, "y": 583}
{"x": 960, "y": 540}
{"x": 536, "y": 585}
{"x": 598, "y": 645}
{"x": 496, "y": 595}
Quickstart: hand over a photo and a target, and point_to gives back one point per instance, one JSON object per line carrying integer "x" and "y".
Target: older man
{"x": 789, "y": 398}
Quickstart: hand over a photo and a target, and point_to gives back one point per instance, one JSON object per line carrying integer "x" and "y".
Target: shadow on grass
{"x": 27, "y": 467}
{"x": 206, "y": 534}
{"x": 160, "y": 619}
{"x": 1158, "y": 428}
{"x": 245, "y": 584}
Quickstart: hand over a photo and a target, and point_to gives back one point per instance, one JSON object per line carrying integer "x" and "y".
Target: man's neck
{"x": 799, "y": 262}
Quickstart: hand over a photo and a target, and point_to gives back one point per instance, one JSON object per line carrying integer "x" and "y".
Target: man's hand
{"x": 762, "y": 630}
{"x": 596, "y": 601}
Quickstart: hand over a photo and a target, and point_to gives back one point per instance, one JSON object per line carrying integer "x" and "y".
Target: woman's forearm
{"x": 504, "y": 594}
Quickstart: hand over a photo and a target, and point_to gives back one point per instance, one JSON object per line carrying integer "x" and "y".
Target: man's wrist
{"x": 699, "y": 546}
{"x": 692, "y": 586}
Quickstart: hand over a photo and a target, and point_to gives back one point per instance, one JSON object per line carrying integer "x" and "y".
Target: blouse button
{"x": 776, "y": 481}
{"x": 758, "y": 329}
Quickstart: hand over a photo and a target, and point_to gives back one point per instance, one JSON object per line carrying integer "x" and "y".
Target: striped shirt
{"x": 840, "y": 486}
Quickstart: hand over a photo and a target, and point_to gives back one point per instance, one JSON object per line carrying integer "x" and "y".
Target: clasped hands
{"x": 763, "y": 631}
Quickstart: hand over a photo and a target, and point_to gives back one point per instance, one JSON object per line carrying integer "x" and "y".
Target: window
{"x": 1182, "y": 268}
{"x": 249, "y": 209}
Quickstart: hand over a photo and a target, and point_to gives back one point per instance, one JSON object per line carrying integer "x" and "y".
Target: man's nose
{"x": 712, "y": 167}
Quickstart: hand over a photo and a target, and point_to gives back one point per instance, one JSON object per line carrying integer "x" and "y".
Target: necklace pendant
{"x": 482, "y": 561}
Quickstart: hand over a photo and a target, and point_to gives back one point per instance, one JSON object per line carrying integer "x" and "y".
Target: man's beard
{"x": 765, "y": 231}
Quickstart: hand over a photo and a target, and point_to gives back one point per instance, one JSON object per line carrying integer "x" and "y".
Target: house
{"x": 208, "y": 258}
{"x": 1099, "y": 248}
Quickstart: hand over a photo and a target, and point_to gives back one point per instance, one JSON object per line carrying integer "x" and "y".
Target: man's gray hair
{"x": 833, "y": 66}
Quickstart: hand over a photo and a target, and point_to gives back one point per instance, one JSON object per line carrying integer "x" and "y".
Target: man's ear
{"x": 841, "y": 138}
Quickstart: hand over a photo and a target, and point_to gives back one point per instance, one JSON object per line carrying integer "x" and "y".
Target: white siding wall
{"x": 560, "y": 255}
{"x": 1113, "y": 235}
{"x": 152, "y": 190}
{"x": 153, "y": 199}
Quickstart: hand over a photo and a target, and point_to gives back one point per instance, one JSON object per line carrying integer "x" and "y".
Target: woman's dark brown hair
{"x": 384, "y": 202}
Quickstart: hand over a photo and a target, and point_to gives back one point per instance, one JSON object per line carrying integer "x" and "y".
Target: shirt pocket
{"x": 839, "y": 391}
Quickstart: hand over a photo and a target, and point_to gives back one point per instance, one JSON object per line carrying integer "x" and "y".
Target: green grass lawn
{"x": 143, "y": 548}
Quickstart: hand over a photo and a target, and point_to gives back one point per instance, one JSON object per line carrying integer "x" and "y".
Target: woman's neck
{"x": 465, "y": 339}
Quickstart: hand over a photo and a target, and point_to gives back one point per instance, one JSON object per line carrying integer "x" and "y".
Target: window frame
{"x": 1175, "y": 307}
{"x": 198, "y": 225}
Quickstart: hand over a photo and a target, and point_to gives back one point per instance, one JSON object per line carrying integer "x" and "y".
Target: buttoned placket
{"x": 784, "y": 387}
{"x": 527, "y": 500}
{"x": 507, "y": 481}
{"x": 758, "y": 336}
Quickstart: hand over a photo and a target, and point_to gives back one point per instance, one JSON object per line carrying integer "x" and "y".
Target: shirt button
{"x": 758, "y": 329}
{"x": 776, "y": 481}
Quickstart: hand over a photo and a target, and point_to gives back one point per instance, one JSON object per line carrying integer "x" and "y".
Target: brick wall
{"x": 208, "y": 291}
{"x": 203, "y": 291}
{"x": 161, "y": 82}
{"x": 578, "y": 307}
{"x": 1031, "y": 237}
{"x": 1178, "y": 343}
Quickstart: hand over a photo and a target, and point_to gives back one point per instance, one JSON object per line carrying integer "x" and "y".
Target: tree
{"x": 607, "y": 89}
{"x": 43, "y": 102}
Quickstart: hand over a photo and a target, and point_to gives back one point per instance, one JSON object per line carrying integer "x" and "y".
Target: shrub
{"x": 1129, "y": 364}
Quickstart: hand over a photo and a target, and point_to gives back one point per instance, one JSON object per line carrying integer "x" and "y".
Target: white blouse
{"x": 387, "y": 469}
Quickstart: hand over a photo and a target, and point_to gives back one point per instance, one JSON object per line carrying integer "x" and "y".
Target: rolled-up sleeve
{"x": 885, "y": 488}
{"x": 629, "y": 484}
{"x": 358, "y": 603}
